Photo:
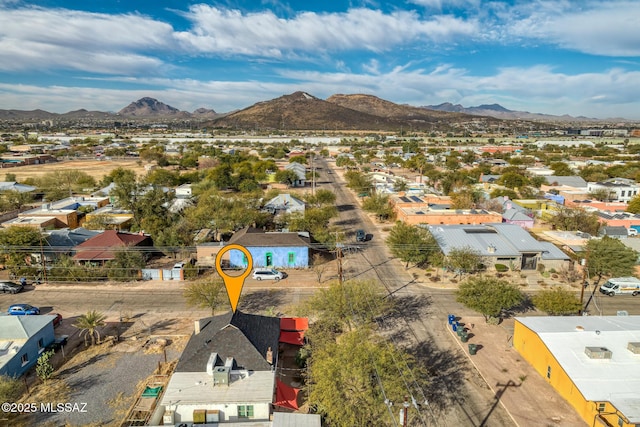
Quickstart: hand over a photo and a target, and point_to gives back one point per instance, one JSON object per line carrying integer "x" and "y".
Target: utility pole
{"x": 339, "y": 260}
{"x": 313, "y": 175}
{"x": 404, "y": 411}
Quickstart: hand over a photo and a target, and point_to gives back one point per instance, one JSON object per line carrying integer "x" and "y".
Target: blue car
{"x": 23, "y": 310}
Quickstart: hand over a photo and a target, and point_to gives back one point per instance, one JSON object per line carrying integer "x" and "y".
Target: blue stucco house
{"x": 22, "y": 339}
{"x": 280, "y": 250}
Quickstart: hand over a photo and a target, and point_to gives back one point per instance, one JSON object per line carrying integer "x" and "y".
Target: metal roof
{"x": 615, "y": 380}
{"x": 495, "y": 239}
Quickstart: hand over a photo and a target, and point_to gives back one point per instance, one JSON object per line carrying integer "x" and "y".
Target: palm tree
{"x": 89, "y": 324}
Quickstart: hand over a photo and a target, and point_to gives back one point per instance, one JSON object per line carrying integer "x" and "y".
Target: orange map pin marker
{"x": 234, "y": 284}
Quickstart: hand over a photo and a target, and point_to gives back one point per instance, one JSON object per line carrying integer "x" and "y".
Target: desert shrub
{"x": 501, "y": 268}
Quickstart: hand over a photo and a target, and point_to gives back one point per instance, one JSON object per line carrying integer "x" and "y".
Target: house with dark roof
{"x": 277, "y": 249}
{"x": 226, "y": 372}
{"x": 22, "y": 339}
{"x": 103, "y": 247}
{"x": 62, "y": 242}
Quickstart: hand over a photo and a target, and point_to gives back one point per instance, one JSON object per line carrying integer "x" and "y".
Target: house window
{"x": 549, "y": 372}
{"x": 601, "y": 407}
{"x": 245, "y": 411}
{"x": 24, "y": 359}
{"x": 622, "y": 193}
{"x": 620, "y": 421}
{"x": 40, "y": 345}
{"x": 292, "y": 258}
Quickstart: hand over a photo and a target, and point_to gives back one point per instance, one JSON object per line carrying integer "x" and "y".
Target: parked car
{"x": 58, "y": 320}
{"x": 179, "y": 265}
{"x": 267, "y": 274}
{"x": 10, "y": 287}
{"x": 23, "y": 310}
{"x": 58, "y": 343}
{"x": 361, "y": 236}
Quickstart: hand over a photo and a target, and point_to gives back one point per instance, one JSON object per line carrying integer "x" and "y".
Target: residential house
{"x": 226, "y": 372}
{"x": 284, "y": 204}
{"x": 14, "y": 186}
{"x": 513, "y": 213}
{"x": 618, "y": 189}
{"x": 110, "y": 217}
{"x": 285, "y": 250}
{"x": 62, "y": 242}
{"x": 591, "y": 361}
{"x": 22, "y": 339}
{"x": 301, "y": 172}
{"x": 615, "y": 232}
{"x": 65, "y": 213}
{"x": 103, "y": 247}
{"x": 442, "y": 214}
{"x": 499, "y": 243}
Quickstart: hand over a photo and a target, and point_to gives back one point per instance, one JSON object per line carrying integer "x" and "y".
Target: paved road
{"x": 459, "y": 396}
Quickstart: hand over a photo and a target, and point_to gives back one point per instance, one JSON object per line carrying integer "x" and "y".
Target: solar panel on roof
{"x": 419, "y": 213}
{"x": 416, "y": 199}
{"x": 405, "y": 199}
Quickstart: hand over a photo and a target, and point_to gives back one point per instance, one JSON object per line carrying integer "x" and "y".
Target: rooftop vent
{"x": 580, "y": 328}
{"x": 634, "y": 347}
{"x": 221, "y": 375}
{"x": 598, "y": 352}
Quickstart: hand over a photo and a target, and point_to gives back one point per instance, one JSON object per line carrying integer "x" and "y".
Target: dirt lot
{"x": 95, "y": 168}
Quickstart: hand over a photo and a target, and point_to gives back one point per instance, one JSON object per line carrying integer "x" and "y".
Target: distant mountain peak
{"x": 148, "y": 107}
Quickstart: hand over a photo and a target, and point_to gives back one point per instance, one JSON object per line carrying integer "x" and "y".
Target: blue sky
{"x": 577, "y": 57}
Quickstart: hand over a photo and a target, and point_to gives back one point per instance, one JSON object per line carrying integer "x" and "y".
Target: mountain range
{"x": 300, "y": 110}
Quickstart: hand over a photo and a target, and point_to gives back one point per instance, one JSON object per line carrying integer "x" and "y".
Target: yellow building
{"x": 593, "y": 362}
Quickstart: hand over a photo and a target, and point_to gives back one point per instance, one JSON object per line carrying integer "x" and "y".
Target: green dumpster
{"x": 464, "y": 337}
{"x": 473, "y": 349}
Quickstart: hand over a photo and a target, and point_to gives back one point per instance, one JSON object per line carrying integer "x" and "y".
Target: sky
{"x": 576, "y": 57}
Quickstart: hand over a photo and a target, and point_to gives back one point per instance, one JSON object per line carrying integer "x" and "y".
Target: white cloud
{"x": 36, "y": 38}
{"x": 607, "y": 28}
{"x": 225, "y": 31}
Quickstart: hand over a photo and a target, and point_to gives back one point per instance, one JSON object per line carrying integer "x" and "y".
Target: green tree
{"x": 634, "y": 205}
{"x": 89, "y": 325}
{"x": 44, "y": 368}
{"x": 380, "y": 205}
{"x": 321, "y": 197}
{"x": 513, "y": 180}
{"x": 609, "y": 257}
{"x": 358, "y": 181}
{"x": 411, "y": 244}
{"x": 576, "y": 219}
{"x": 344, "y": 379}
{"x": 351, "y": 303}
{"x": 15, "y": 199}
{"x": 561, "y": 169}
{"x": 489, "y": 296}
{"x": 298, "y": 159}
{"x": 126, "y": 266}
{"x": 286, "y": 176}
{"x": 17, "y": 244}
{"x": 209, "y": 294}
{"x": 466, "y": 198}
{"x": 464, "y": 260}
{"x": 557, "y": 301}
{"x": 10, "y": 388}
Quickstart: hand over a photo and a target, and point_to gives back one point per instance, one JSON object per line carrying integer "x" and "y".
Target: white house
{"x": 284, "y": 203}
{"x": 619, "y": 189}
{"x": 226, "y": 373}
{"x": 301, "y": 172}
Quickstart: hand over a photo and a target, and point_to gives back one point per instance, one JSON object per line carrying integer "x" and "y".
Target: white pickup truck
{"x": 621, "y": 286}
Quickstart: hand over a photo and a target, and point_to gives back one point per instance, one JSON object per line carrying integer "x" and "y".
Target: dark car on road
{"x": 361, "y": 236}
{"x": 23, "y": 310}
{"x": 10, "y": 287}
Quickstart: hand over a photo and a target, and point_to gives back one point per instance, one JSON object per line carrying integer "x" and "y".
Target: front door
{"x": 268, "y": 259}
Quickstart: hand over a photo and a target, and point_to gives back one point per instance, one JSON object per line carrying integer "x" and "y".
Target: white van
{"x": 621, "y": 286}
{"x": 267, "y": 274}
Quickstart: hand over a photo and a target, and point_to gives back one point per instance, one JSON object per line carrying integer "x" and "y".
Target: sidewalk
{"x": 526, "y": 396}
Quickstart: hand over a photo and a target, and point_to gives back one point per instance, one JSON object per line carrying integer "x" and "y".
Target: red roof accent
{"x": 292, "y": 337}
{"x": 294, "y": 323}
{"x": 286, "y": 396}
{"x": 101, "y": 247}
